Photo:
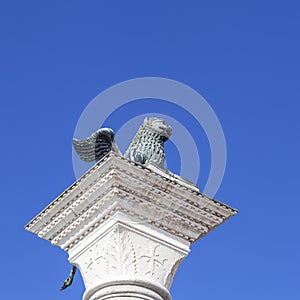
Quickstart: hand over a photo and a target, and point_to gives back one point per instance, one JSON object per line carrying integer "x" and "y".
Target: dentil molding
{"x": 127, "y": 227}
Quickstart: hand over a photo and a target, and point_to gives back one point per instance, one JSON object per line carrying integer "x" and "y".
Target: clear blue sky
{"x": 242, "y": 56}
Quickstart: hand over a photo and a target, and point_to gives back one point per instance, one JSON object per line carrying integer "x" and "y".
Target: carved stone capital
{"x": 121, "y": 252}
{"x": 127, "y": 227}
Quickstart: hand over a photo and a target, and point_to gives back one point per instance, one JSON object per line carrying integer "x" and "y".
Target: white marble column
{"x": 127, "y": 227}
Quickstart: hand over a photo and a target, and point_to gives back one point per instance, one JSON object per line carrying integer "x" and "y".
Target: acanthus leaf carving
{"x": 96, "y": 258}
{"x": 121, "y": 256}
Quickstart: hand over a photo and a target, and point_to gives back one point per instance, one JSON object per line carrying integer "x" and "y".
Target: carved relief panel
{"x": 126, "y": 252}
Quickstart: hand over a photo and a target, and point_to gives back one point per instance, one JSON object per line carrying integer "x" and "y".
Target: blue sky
{"x": 242, "y": 56}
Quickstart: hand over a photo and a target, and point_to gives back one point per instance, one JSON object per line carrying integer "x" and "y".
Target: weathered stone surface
{"x": 127, "y": 227}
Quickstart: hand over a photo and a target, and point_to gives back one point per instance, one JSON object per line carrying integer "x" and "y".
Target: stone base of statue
{"x": 128, "y": 227}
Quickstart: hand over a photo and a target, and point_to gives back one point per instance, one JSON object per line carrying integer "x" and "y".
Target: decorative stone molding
{"x": 123, "y": 250}
{"x": 127, "y": 227}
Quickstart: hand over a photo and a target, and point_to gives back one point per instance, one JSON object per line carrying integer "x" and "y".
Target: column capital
{"x": 128, "y": 227}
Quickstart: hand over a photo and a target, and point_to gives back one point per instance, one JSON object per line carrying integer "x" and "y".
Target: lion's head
{"x": 159, "y": 126}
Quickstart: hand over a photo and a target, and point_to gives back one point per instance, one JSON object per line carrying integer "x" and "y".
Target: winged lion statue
{"x": 146, "y": 146}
